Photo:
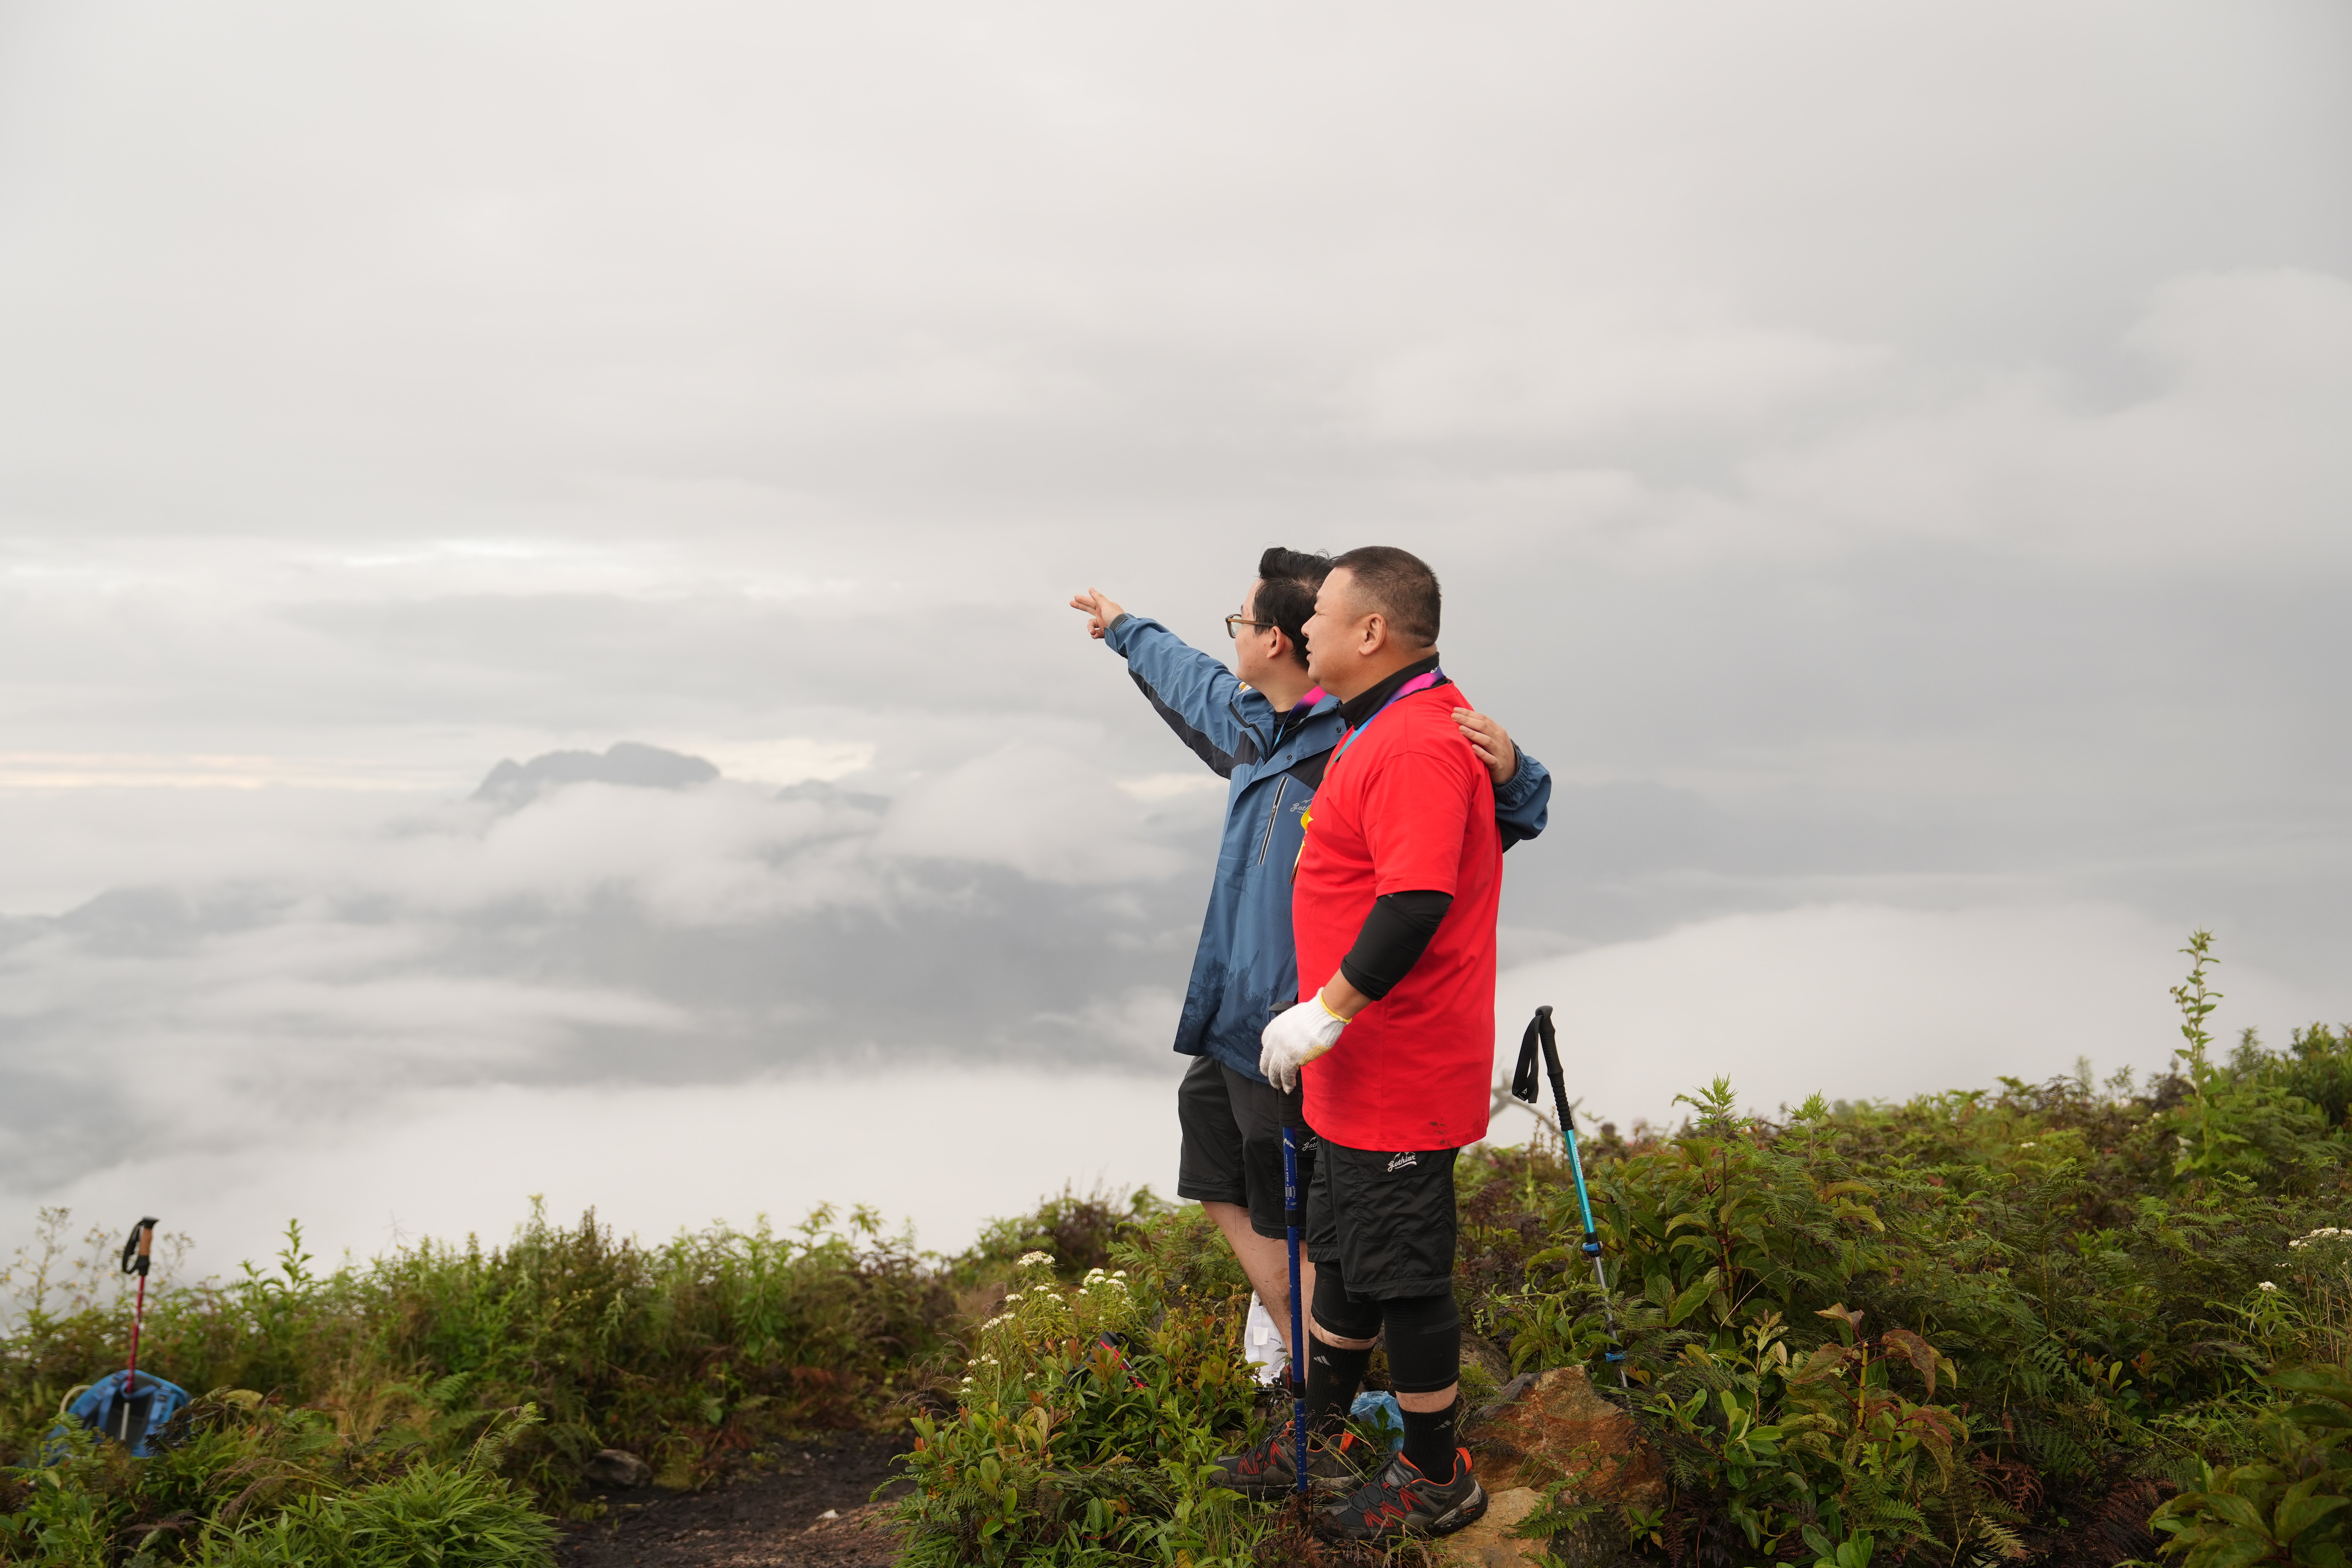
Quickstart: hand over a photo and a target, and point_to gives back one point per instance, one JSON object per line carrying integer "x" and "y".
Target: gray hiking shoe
{"x": 1270, "y": 1469}
{"x": 1402, "y": 1502}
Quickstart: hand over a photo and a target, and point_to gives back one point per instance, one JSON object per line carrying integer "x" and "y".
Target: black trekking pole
{"x": 1523, "y": 1086}
{"x": 1294, "y": 1203}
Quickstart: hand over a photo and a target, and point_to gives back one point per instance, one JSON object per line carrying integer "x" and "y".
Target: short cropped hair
{"x": 1398, "y": 584}
{"x": 1287, "y": 580}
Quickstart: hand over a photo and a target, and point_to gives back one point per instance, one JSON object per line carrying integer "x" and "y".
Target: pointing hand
{"x": 1100, "y": 609}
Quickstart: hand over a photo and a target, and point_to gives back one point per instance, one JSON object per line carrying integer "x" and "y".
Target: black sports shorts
{"x": 1232, "y": 1144}
{"x": 1385, "y": 1216}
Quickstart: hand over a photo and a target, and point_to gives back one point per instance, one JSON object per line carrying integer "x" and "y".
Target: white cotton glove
{"x": 1296, "y": 1037}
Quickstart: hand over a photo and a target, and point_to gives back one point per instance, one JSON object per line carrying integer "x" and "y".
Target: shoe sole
{"x": 1468, "y": 1512}
{"x": 1472, "y": 1510}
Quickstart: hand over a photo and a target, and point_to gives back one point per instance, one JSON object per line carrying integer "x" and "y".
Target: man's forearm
{"x": 1342, "y": 998}
{"x": 1393, "y": 937}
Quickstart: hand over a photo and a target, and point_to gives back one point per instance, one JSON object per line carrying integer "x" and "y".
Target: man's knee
{"x": 1424, "y": 1342}
{"x": 1340, "y": 1319}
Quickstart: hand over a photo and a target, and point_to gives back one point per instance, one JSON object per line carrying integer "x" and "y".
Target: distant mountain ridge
{"x": 626, "y": 762}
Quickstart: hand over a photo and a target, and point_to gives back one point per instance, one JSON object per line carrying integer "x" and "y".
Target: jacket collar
{"x": 1364, "y": 704}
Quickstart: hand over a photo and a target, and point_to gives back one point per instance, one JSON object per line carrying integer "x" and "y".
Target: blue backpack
{"x": 132, "y": 1421}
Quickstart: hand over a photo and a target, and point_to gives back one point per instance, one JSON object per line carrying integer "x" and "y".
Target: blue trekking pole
{"x": 1523, "y": 1086}
{"x": 1292, "y": 1203}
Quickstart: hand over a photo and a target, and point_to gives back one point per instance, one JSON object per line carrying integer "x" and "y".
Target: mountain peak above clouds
{"x": 626, "y": 762}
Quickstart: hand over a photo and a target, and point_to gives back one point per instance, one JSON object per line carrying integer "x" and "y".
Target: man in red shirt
{"x": 1394, "y": 904}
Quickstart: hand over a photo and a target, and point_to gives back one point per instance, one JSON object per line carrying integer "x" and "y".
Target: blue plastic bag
{"x": 1383, "y": 1414}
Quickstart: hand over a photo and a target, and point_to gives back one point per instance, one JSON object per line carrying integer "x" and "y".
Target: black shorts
{"x": 1385, "y": 1216}
{"x": 1232, "y": 1144}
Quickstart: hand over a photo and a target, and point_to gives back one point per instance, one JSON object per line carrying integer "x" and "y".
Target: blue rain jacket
{"x": 1246, "y": 970}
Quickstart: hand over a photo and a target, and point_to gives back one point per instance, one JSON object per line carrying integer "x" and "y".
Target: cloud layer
{"x": 1892, "y": 477}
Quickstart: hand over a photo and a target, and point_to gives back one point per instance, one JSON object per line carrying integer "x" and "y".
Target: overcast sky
{"x": 1890, "y": 463}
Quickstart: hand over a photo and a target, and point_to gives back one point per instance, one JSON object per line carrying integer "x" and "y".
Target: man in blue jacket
{"x": 1264, "y": 727}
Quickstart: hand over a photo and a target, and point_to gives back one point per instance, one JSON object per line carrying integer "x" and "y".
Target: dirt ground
{"x": 769, "y": 1520}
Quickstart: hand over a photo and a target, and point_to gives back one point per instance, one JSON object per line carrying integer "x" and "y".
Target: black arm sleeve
{"x": 1396, "y": 934}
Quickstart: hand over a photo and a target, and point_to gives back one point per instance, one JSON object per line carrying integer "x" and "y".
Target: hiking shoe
{"x": 1270, "y": 1469}
{"x": 1402, "y": 1502}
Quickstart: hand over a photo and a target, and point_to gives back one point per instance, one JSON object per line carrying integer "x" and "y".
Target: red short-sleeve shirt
{"x": 1406, "y": 806}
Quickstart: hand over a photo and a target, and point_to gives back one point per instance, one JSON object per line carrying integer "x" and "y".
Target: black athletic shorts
{"x": 1232, "y": 1144}
{"x": 1385, "y": 1216}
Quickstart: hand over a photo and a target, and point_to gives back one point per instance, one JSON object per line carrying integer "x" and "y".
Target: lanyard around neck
{"x": 1418, "y": 683}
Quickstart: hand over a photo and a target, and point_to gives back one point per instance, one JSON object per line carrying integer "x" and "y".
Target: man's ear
{"x": 1376, "y": 634}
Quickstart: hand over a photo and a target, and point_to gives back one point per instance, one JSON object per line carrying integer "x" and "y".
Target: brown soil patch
{"x": 771, "y": 1520}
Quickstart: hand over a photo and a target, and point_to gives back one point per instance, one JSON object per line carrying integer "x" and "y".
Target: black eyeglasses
{"x": 1234, "y": 621}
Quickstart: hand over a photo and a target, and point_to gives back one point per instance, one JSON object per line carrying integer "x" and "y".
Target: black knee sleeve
{"x": 1424, "y": 1340}
{"x": 1341, "y": 1313}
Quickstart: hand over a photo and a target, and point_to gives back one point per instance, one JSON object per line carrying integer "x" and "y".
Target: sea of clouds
{"x": 1891, "y": 476}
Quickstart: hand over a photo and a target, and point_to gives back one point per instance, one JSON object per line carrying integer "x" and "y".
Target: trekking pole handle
{"x": 1550, "y": 1038}
{"x": 1542, "y": 1034}
{"x": 137, "y": 1250}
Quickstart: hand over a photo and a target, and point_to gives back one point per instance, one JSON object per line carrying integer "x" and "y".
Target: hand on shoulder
{"x": 1491, "y": 741}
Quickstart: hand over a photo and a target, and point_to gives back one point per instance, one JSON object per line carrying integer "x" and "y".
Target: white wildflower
{"x": 1011, "y": 1297}
{"x": 2025, "y": 1145}
{"x": 2265, "y": 1285}
{"x": 1030, "y": 1260}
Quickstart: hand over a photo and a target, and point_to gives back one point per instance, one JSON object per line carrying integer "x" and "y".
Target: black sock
{"x": 1429, "y": 1440}
{"x": 1333, "y": 1375}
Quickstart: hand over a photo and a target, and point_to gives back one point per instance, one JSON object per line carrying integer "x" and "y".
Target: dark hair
{"x": 1287, "y": 580}
{"x": 1398, "y": 584}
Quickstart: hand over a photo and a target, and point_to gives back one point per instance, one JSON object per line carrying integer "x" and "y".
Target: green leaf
{"x": 2296, "y": 1514}
{"x": 2237, "y": 1550}
{"x": 2238, "y": 1511}
{"x": 2333, "y": 1415}
{"x": 1916, "y": 1351}
{"x": 1691, "y": 1300}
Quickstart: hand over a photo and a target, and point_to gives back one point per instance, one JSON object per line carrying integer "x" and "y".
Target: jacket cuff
{"x": 1522, "y": 782}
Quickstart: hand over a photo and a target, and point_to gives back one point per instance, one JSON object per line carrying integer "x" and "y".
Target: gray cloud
{"x": 692, "y": 933}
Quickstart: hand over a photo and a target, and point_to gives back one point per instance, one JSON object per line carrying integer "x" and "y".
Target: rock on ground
{"x": 1547, "y": 1428}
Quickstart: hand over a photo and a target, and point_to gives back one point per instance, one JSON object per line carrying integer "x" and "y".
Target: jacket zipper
{"x": 1267, "y": 842}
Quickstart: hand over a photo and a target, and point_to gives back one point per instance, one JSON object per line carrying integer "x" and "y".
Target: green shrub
{"x": 1084, "y": 1436}
{"x": 1973, "y": 1324}
{"x": 2287, "y": 1504}
{"x": 692, "y": 1353}
{"x": 452, "y": 1517}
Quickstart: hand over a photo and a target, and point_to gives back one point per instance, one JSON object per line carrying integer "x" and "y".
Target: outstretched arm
{"x": 1195, "y": 694}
